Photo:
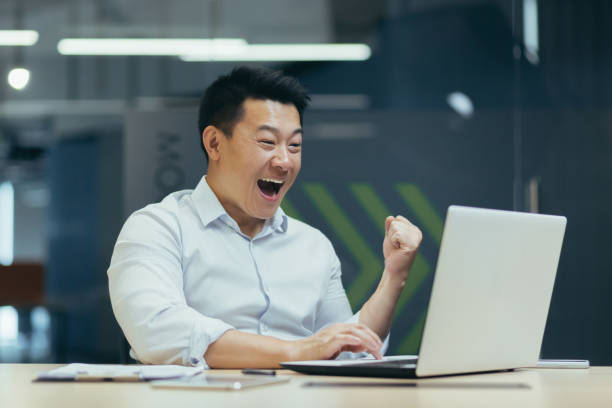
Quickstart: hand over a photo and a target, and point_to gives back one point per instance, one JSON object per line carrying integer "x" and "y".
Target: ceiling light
{"x": 18, "y": 37}
{"x": 148, "y": 46}
{"x": 18, "y": 78}
{"x": 218, "y": 49}
{"x": 287, "y": 52}
{"x": 461, "y": 104}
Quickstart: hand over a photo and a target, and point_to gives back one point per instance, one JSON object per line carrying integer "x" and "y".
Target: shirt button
{"x": 194, "y": 361}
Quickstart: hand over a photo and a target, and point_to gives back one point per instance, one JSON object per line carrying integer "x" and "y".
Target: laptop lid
{"x": 491, "y": 291}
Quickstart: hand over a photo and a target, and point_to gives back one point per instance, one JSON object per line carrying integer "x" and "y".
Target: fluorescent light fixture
{"x": 18, "y": 78}
{"x": 7, "y": 202}
{"x": 148, "y": 46}
{"x": 461, "y": 104}
{"x": 287, "y": 52}
{"x": 218, "y": 49}
{"x": 530, "y": 31}
{"x": 18, "y": 37}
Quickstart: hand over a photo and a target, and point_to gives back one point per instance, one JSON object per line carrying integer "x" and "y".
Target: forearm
{"x": 236, "y": 349}
{"x": 377, "y": 312}
{"x": 400, "y": 246}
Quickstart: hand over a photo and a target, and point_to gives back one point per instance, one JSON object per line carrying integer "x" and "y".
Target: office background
{"x": 499, "y": 103}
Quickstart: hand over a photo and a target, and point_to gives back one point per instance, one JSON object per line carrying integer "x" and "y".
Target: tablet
{"x": 219, "y": 382}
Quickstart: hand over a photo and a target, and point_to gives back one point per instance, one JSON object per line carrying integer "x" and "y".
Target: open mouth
{"x": 270, "y": 187}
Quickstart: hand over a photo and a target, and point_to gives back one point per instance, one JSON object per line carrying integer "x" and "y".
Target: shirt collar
{"x": 209, "y": 208}
{"x": 279, "y": 221}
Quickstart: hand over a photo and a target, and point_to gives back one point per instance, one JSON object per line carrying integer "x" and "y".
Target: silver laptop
{"x": 489, "y": 302}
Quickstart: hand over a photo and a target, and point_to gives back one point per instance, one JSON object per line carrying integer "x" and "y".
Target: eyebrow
{"x": 276, "y": 131}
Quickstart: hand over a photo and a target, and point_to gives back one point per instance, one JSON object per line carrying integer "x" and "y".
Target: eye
{"x": 267, "y": 142}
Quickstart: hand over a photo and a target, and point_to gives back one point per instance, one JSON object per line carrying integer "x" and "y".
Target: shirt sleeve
{"x": 146, "y": 291}
{"x": 335, "y": 307}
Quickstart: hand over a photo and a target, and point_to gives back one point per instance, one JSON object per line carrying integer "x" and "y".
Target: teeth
{"x": 273, "y": 181}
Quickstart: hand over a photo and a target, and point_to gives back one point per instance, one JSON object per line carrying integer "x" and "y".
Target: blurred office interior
{"x": 492, "y": 103}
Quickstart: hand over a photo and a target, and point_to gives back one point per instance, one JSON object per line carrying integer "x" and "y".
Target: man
{"x": 219, "y": 276}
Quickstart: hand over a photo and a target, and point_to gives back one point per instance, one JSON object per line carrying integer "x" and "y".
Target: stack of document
{"x": 108, "y": 372}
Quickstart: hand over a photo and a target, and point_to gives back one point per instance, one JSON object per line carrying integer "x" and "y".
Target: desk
{"x": 548, "y": 388}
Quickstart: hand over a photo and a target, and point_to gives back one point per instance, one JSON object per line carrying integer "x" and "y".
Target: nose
{"x": 281, "y": 158}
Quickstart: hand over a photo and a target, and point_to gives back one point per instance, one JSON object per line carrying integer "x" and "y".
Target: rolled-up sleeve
{"x": 146, "y": 291}
{"x": 335, "y": 308}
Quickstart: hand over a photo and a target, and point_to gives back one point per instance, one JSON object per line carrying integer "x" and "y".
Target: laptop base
{"x": 356, "y": 370}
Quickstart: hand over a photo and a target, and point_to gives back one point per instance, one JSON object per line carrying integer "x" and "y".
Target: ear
{"x": 211, "y": 137}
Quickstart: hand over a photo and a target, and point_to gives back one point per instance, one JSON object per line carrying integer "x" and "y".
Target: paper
{"x": 111, "y": 372}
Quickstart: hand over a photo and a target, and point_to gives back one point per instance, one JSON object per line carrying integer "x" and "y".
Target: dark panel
{"x": 84, "y": 218}
{"x": 568, "y": 149}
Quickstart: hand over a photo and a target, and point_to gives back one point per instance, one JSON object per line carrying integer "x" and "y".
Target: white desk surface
{"x": 546, "y": 388}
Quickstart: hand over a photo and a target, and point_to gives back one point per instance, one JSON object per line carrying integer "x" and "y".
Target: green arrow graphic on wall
{"x": 369, "y": 261}
{"x": 378, "y": 212}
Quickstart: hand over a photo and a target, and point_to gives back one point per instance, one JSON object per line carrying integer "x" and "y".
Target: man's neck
{"x": 248, "y": 225}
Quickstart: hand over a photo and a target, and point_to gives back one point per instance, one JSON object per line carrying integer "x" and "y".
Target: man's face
{"x": 260, "y": 161}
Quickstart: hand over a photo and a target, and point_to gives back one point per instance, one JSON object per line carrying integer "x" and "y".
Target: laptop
{"x": 489, "y": 301}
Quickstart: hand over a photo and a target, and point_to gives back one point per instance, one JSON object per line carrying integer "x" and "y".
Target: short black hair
{"x": 221, "y": 105}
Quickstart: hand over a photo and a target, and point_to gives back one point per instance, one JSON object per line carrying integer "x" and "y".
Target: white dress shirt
{"x": 182, "y": 273}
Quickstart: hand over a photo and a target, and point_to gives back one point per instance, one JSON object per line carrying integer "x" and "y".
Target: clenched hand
{"x": 401, "y": 243}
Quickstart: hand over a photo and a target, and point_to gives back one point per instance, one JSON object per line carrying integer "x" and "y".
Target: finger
{"x": 362, "y": 339}
{"x": 402, "y": 218}
{"x": 388, "y": 222}
{"x": 371, "y": 335}
{"x": 356, "y": 349}
{"x": 394, "y": 233}
{"x": 405, "y": 236}
{"x": 401, "y": 227}
{"x": 359, "y": 348}
{"x": 397, "y": 239}
{"x": 373, "y": 349}
{"x": 340, "y": 343}
{"x": 377, "y": 354}
{"x": 366, "y": 336}
{"x": 349, "y": 339}
{"x": 348, "y": 342}
{"x": 371, "y": 339}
